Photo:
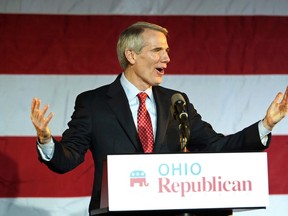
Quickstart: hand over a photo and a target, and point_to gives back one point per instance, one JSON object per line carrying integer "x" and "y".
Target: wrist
{"x": 268, "y": 124}
{"x": 44, "y": 139}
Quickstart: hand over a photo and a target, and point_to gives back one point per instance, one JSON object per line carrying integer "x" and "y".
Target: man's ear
{"x": 131, "y": 56}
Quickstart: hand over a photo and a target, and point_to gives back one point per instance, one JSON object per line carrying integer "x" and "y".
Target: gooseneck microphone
{"x": 180, "y": 114}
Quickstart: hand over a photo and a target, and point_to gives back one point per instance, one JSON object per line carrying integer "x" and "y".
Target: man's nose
{"x": 165, "y": 57}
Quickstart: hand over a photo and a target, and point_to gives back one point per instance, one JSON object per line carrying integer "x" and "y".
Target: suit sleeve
{"x": 70, "y": 151}
{"x": 203, "y": 138}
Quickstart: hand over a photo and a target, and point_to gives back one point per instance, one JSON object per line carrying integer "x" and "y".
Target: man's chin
{"x": 158, "y": 82}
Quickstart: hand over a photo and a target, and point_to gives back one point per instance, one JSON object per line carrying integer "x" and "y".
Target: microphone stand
{"x": 184, "y": 134}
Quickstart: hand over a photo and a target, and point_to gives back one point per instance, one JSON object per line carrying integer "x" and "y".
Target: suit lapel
{"x": 119, "y": 104}
{"x": 163, "y": 111}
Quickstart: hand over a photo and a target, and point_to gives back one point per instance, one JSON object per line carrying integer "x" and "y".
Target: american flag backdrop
{"x": 229, "y": 56}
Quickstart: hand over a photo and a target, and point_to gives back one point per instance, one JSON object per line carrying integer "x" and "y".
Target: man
{"x": 105, "y": 120}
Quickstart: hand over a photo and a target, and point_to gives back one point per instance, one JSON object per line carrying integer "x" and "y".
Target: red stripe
{"x": 62, "y": 44}
{"x": 22, "y": 175}
{"x": 278, "y": 165}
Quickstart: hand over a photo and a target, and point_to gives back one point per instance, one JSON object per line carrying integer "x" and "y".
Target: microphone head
{"x": 177, "y": 97}
{"x": 177, "y": 102}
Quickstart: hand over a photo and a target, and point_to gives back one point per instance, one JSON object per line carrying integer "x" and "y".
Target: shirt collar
{"x": 131, "y": 90}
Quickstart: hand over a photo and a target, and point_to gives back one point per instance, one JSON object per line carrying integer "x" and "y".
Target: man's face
{"x": 151, "y": 62}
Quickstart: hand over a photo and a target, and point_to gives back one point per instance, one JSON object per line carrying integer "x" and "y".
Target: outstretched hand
{"x": 41, "y": 122}
{"x": 277, "y": 110}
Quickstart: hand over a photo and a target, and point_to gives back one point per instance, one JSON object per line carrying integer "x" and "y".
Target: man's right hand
{"x": 41, "y": 122}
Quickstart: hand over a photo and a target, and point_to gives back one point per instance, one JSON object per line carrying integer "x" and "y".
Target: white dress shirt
{"x": 131, "y": 93}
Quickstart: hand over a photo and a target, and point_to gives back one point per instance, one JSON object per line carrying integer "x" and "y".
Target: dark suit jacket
{"x": 102, "y": 123}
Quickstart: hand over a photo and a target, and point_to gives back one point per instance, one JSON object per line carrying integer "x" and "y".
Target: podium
{"x": 172, "y": 184}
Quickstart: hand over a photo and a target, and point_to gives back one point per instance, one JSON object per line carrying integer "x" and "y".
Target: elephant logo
{"x": 138, "y": 177}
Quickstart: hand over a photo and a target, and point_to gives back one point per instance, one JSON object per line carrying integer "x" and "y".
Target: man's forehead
{"x": 148, "y": 31}
{"x": 154, "y": 36}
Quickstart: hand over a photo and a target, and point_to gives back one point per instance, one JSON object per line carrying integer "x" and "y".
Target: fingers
{"x": 47, "y": 120}
{"x": 44, "y": 110}
{"x": 282, "y": 98}
{"x": 33, "y": 104}
{"x": 39, "y": 121}
{"x": 285, "y": 101}
{"x": 38, "y": 116}
{"x": 285, "y": 98}
{"x": 35, "y": 107}
{"x": 278, "y": 97}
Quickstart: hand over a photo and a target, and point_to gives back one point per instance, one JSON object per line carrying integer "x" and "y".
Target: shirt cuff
{"x": 263, "y": 133}
{"x": 46, "y": 150}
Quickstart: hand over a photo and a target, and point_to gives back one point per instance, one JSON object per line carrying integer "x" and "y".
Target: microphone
{"x": 178, "y": 108}
{"x": 180, "y": 114}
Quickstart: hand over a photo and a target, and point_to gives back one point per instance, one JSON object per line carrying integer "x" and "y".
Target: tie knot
{"x": 142, "y": 97}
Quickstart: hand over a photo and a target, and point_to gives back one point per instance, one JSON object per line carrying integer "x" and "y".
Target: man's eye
{"x": 157, "y": 50}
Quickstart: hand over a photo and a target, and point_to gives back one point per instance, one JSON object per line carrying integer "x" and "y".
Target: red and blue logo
{"x": 138, "y": 177}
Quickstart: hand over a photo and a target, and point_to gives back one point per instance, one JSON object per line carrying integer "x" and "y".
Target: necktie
{"x": 145, "y": 130}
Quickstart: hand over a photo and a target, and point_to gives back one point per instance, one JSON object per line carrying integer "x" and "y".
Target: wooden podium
{"x": 172, "y": 184}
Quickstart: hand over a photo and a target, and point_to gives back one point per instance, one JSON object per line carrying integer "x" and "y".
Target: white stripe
{"x": 147, "y": 7}
{"x": 79, "y": 206}
{"x": 278, "y": 206}
{"x": 44, "y": 206}
{"x": 229, "y": 103}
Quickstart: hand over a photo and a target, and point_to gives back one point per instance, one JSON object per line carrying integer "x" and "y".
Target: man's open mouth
{"x": 160, "y": 70}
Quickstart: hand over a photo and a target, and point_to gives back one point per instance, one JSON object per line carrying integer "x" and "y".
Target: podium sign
{"x": 187, "y": 181}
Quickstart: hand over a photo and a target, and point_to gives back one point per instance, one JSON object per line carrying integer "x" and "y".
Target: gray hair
{"x": 132, "y": 39}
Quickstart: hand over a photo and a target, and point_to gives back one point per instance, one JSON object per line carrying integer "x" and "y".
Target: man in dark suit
{"x": 105, "y": 119}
